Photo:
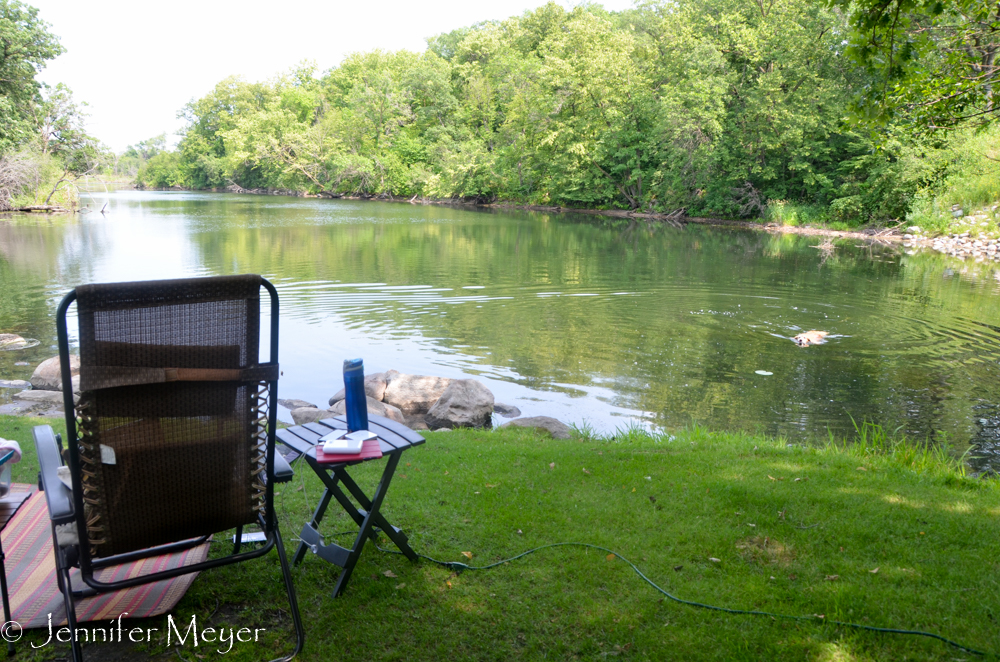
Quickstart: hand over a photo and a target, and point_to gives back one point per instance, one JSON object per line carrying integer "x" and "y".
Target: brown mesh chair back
{"x": 170, "y": 422}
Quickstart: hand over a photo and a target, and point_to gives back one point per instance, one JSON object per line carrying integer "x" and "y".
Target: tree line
{"x": 737, "y": 108}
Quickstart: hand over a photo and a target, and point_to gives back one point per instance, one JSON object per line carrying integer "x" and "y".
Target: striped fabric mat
{"x": 31, "y": 576}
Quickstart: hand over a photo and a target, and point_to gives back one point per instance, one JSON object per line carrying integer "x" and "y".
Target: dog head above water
{"x": 811, "y": 338}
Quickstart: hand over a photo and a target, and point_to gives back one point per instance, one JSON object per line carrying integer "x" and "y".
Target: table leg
{"x": 395, "y": 535}
{"x": 300, "y": 551}
{"x": 366, "y": 526}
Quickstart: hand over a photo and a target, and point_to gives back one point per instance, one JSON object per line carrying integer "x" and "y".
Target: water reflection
{"x": 605, "y": 322}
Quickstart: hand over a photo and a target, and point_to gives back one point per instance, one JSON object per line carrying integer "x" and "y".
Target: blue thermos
{"x": 354, "y": 395}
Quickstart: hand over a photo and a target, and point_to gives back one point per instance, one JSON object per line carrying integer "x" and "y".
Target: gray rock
{"x": 374, "y": 388}
{"x": 507, "y": 411}
{"x": 416, "y": 422}
{"x": 413, "y": 394}
{"x": 15, "y": 383}
{"x": 12, "y": 341}
{"x": 292, "y": 403}
{"x": 374, "y": 407}
{"x": 51, "y": 397}
{"x": 465, "y": 403}
{"x": 20, "y": 408}
{"x": 557, "y": 429}
{"x": 48, "y": 377}
{"x": 304, "y": 415}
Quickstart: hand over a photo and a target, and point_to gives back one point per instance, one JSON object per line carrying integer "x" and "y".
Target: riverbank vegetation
{"x": 44, "y": 149}
{"x": 719, "y": 107}
{"x": 878, "y": 532}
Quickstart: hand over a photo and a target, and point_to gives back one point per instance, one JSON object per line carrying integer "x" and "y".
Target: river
{"x": 605, "y": 323}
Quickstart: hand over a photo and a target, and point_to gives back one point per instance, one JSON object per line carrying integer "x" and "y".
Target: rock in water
{"x": 374, "y": 407}
{"x": 507, "y": 411}
{"x": 48, "y": 376}
{"x": 465, "y": 403}
{"x": 304, "y": 415}
{"x": 15, "y": 383}
{"x": 414, "y": 394}
{"x": 374, "y": 388}
{"x": 12, "y": 341}
{"x": 292, "y": 403}
{"x": 811, "y": 338}
{"x": 557, "y": 429}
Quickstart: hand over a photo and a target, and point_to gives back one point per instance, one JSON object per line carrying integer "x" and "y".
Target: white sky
{"x": 137, "y": 63}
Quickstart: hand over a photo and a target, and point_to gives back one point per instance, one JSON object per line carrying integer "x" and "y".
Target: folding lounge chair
{"x": 172, "y": 438}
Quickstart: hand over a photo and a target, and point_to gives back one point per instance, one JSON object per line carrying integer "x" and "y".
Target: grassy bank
{"x": 880, "y": 533}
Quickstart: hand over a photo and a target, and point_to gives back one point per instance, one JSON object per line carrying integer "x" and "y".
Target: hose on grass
{"x": 459, "y": 567}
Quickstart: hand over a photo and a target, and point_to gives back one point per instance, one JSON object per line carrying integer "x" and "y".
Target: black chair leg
{"x": 238, "y": 539}
{"x": 70, "y": 615}
{"x": 292, "y": 601}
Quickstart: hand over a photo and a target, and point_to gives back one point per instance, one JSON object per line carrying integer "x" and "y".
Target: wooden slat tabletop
{"x": 392, "y": 436}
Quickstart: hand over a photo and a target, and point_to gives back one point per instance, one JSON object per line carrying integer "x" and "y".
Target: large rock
{"x": 374, "y": 407}
{"x": 48, "y": 376}
{"x": 557, "y": 429}
{"x": 465, "y": 403}
{"x": 374, "y": 388}
{"x": 51, "y": 397}
{"x": 15, "y": 383}
{"x": 304, "y": 415}
{"x": 12, "y": 341}
{"x": 292, "y": 403}
{"x": 413, "y": 394}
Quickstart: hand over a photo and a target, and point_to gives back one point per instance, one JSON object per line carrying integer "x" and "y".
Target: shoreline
{"x": 885, "y": 235}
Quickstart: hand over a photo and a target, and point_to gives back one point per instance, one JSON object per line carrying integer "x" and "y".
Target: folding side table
{"x": 393, "y": 438}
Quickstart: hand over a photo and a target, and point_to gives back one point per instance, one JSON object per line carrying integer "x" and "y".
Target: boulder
{"x": 51, "y": 397}
{"x": 292, "y": 403}
{"x": 465, "y": 403}
{"x": 304, "y": 415}
{"x": 507, "y": 411}
{"x": 557, "y": 429}
{"x": 15, "y": 383}
{"x": 374, "y": 407}
{"x": 48, "y": 376}
{"x": 374, "y": 388}
{"x": 12, "y": 341}
{"x": 416, "y": 422}
{"x": 414, "y": 394}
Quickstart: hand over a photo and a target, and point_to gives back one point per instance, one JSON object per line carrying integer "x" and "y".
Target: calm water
{"x": 588, "y": 320}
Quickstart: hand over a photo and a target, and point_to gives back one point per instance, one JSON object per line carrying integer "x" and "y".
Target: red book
{"x": 370, "y": 450}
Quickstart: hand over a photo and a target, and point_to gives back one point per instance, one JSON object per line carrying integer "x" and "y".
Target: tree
{"x": 25, "y": 46}
{"x": 933, "y": 62}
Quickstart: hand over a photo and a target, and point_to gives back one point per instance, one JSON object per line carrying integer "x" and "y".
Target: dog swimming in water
{"x": 811, "y": 338}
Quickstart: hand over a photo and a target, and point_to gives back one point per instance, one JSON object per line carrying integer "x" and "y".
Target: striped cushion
{"x": 31, "y": 576}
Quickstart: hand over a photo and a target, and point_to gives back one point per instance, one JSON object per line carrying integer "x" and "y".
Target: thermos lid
{"x": 353, "y": 364}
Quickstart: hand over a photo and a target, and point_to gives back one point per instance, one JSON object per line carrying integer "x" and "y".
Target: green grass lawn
{"x": 881, "y": 534}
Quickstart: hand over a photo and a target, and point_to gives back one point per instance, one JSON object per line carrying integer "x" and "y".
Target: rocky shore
{"x": 418, "y": 401}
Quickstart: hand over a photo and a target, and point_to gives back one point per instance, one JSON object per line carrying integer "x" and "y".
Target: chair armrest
{"x": 56, "y": 494}
{"x": 282, "y": 470}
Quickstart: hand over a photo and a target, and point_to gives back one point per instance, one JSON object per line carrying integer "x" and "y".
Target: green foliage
{"x": 25, "y": 46}
{"x": 929, "y": 62}
{"x": 723, "y": 107}
{"x": 969, "y": 182}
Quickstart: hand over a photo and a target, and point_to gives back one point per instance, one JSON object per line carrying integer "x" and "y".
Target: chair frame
{"x": 66, "y": 508}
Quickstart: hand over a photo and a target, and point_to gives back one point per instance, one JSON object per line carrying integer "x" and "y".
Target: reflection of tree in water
{"x": 701, "y": 310}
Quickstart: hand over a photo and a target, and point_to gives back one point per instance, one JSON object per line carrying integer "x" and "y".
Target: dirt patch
{"x": 765, "y": 551}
